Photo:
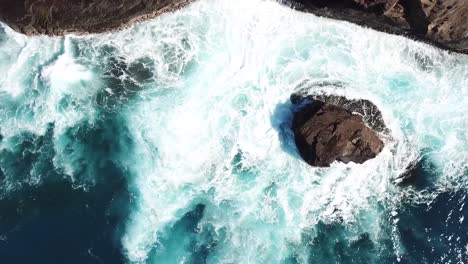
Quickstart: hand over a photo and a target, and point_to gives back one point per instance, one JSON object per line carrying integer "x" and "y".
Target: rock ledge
{"x": 59, "y": 17}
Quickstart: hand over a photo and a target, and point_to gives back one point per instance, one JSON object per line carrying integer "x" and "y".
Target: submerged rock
{"x": 443, "y": 23}
{"x": 57, "y": 17}
{"x": 325, "y": 133}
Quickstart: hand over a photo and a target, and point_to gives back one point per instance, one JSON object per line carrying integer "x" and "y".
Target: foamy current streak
{"x": 204, "y": 93}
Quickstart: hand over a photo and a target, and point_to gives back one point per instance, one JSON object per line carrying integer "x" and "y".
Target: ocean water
{"x": 170, "y": 142}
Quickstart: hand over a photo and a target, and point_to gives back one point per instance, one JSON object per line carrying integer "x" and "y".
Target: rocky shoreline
{"x": 60, "y": 17}
{"x": 443, "y": 24}
{"x": 440, "y": 23}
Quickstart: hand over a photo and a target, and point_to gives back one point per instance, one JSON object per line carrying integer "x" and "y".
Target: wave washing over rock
{"x": 171, "y": 142}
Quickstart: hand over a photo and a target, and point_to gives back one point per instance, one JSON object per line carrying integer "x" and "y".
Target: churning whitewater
{"x": 174, "y": 137}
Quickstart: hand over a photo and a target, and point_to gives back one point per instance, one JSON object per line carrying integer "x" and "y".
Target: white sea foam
{"x": 39, "y": 73}
{"x": 248, "y": 63}
{"x": 211, "y": 127}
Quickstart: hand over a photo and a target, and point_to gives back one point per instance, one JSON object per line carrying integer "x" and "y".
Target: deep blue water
{"x": 55, "y": 222}
{"x": 170, "y": 142}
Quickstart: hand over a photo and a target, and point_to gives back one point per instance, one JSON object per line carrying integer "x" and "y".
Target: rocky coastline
{"x": 60, "y": 17}
{"x": 443, "y": 24}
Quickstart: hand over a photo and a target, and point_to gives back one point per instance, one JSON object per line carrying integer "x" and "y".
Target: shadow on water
{"x": 51, "y": 221}
{"x": 123, "y": 80}
{"x": 281, "y": 121}
{"x": 239, "y": 169}
{"x": 3, "y": 36}
{"x": 186, "y": 240}
{"x": 420, "y": 174}
{"x": 338, "y": 243}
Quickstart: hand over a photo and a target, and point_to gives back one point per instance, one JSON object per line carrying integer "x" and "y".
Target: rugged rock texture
{"x": 442, "y": 23}
{"x": 369, "y": 112}
{"x": 57, "y": 17}
{"x": 325, "y": 133}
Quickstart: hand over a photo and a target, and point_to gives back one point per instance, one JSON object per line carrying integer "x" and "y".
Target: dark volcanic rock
{"x": 369, "y": 112}
{"x": 442, "y": 23}
{"x": 57, "y": 17}
{"x": 325, "y": 133}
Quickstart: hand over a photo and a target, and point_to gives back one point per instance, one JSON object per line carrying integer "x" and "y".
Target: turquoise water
{"x": 170, "y": 142}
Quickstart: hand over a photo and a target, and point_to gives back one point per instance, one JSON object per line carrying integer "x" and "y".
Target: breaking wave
{"x": 175, "y": 136}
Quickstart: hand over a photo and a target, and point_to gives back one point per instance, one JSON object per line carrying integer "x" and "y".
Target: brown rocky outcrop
{"x": 442, "y": 23}
{"x": 57, "y": 17}
{"x": 325, "y": 133}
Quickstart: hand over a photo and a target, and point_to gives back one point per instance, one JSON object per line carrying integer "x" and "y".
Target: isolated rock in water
{"x": 325, "y": 133}
{"x": 443, "y": 23}
{"x": 369, "y": 112}
{"x": 57, "y": 17}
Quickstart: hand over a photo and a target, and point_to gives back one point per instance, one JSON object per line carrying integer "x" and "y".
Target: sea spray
{"x": 192, "y": 113}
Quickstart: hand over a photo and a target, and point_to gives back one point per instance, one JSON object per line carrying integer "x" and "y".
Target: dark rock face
{"x": 442, "y": 23}
{"x": 57, "y": 17}
{"x": 325, "y": 133}
{"x": 369, "y": 112}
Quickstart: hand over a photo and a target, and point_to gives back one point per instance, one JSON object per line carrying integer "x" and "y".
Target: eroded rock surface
{"x": 443, "y": 23}
{"x": 325, "y": 133}
{"x": 57, "y": 17}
